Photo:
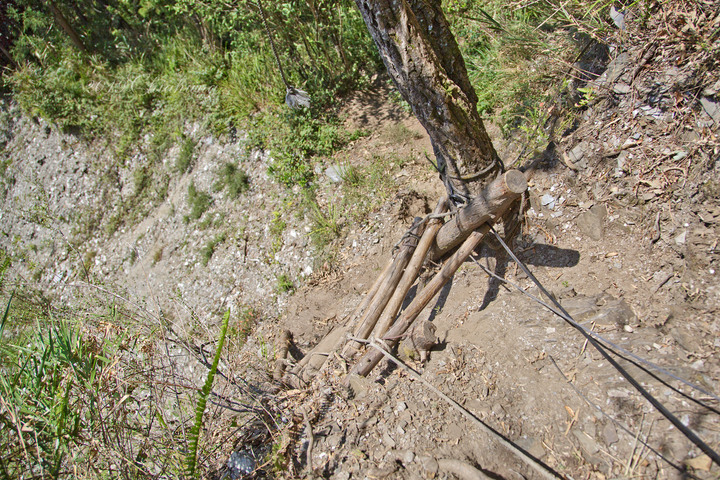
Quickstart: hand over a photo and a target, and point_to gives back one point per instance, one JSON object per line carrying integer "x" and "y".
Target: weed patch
{"x": 186, "y": 156}
{"x": 235, "y": 179}
{"x": 198, "y": 201}
{"x": 284, "y": 284}
{"x": 209, "y": 249}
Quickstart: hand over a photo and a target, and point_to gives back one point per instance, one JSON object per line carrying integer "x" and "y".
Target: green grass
{"x": 198, "y": 201}
{"x": 186, "y": 156}
{"x": 67, "y": 389}
{"x": 517, "y": 58}
{"x": 235, "y": 179}
{"x": 284, "y": 284}
{"x": 209, "y": 249}
{"x": 92, "y": 390}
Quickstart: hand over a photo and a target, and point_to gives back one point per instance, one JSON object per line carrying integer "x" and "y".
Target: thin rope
{"x": 526, "y": 457}
{"x": 618, "y": 424}
{"x": 612, "y": 345}
{"x": 692, "y": 436}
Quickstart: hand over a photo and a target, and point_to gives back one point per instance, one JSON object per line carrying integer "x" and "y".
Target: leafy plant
{"x": 235, "y": 179}
{"x": 199, "y": 202}
{"x": 191, "y": 458}
{"x": 284, "y": 284}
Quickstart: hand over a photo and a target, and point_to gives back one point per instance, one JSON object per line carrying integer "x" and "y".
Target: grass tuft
{"x": 199, "y": 202}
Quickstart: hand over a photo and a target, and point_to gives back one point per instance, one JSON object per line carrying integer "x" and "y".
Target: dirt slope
{"x": 623, "y": 229}
{"x": 622, "y": 226}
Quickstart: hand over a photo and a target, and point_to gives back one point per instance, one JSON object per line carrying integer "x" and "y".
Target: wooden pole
{"x": 494, "y": 198}
{"x": 411, "y": 271}
{"x": 388, "y": 287}
{"x": 352, "y": 319}
{"x": 372, "y": 357}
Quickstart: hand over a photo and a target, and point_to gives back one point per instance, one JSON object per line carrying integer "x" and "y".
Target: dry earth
{"x": 622, "y": 226}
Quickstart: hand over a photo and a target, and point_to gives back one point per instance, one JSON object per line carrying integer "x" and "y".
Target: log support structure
{"x": 377, "y": 315}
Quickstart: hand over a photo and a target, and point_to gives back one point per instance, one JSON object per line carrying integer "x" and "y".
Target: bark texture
{"x": 423, "y": 59}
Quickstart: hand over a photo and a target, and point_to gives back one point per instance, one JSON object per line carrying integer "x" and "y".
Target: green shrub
{"x": 186, "y": 156}
{"x": 235, "y": 179}
{"x": 199, "y": 202}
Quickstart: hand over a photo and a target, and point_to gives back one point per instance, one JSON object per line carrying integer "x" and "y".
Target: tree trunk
{"x": 424, "y": 61}
{"x": 67, "y": 28}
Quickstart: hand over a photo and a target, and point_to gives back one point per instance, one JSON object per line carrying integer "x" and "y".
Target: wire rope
{"x": 692, "y": 436}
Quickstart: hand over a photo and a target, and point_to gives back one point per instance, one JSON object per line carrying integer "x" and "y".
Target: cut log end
{"x": 515, "y": 181}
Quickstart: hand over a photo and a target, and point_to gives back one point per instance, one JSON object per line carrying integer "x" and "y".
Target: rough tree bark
{"x": 67, "y": 28}
{"x": 423, "y": 59}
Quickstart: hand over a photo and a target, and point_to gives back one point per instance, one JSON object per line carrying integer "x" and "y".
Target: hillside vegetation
{"x": 149, "y": 136}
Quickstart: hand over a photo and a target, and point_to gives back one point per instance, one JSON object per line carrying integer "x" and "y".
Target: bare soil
{"x": 622, "y": 226}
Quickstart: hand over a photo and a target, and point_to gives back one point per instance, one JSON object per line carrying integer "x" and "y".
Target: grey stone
{"x": 711, "y": 108}
{"x": 616, "y": 312}
{"x": 609, "y": 434}
{"x": 428, "y": 466}
{"x": 617, "y": 17}
{"x": 333, "y": 441}
{"x": 388, "y": 441}
{"x": 622, "y": 88}
{"x": 533, "y": 446}
{"x": 577, "y": 154}
{"x": 359, "y": 385}
{"x": 588, "y": 444}
{"x": 591, "y": 224}
{"x": 615, "y": 69}
{"x": 336, "y": 173}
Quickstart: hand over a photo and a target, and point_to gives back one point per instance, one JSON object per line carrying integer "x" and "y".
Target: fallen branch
{"x": 350, "y": 323}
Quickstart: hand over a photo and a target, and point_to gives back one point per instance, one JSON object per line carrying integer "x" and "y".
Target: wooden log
{"x": 282, "y": 349}
{"x": 494, "y": 198}
{"x": 387, "y": 289}
{"x": 372, "y": 357}
{"x": 351, "y": 321}
{"x": 411, "y": 272}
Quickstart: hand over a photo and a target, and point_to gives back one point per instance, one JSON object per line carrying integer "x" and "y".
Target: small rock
{"x": 609, "y": 434}
{"x": 577, "y": 154}
{"x": 617, "y": 17}
{"x": 388, "y": 441}
{"x": 701, "y": 462}
{"x": 712, "y": 109}
{"x": 336, "y": 173}
{"x": 591, "y": 224}
{"x": 628, "y": 329}
{"x": 428, "y": 465}
{"x": 333, "y": 441}
{"x": 407, "y": 457}
{"x": 359, "y": 385}
{"x": 622, "y": 88}
{"x": 548, "y": 201}
{"x": 533, "y": 446}
{"x": 240, "y": 464}
{"x": 681, "y": 239}
{"x": 588, "y": 444}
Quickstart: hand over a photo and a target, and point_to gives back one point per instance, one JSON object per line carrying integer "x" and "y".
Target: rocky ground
{"x": 622, "y": 226}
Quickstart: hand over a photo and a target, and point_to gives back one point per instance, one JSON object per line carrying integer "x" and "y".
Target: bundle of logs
{"x": 432, "y": 241}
